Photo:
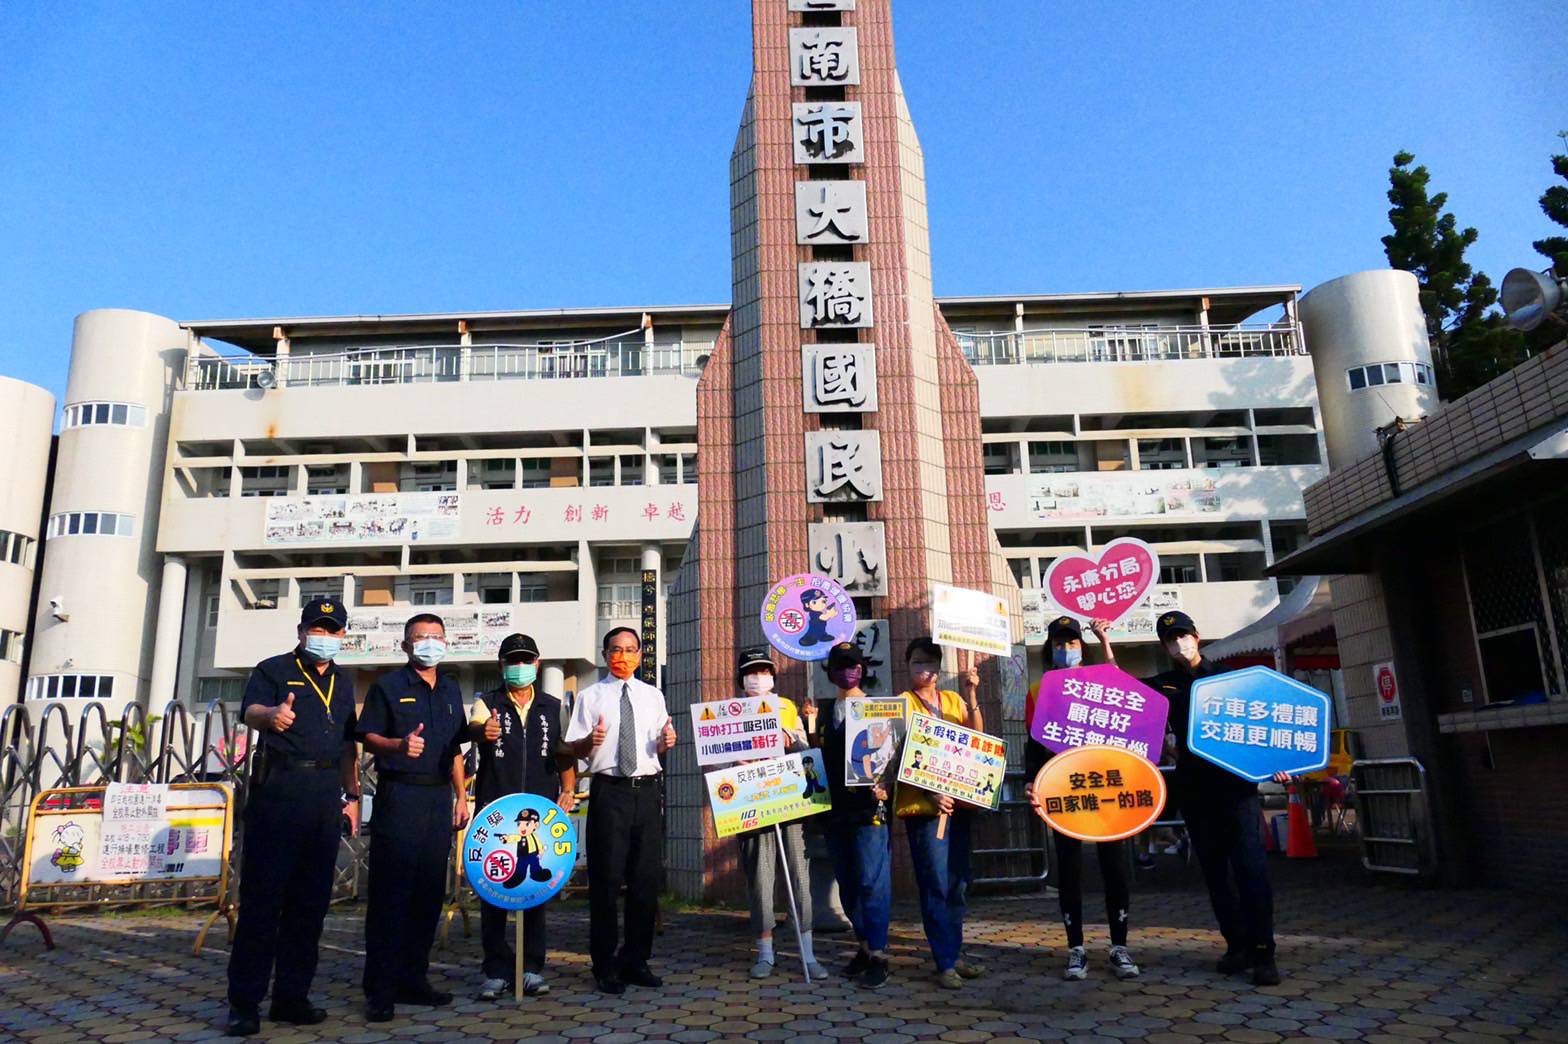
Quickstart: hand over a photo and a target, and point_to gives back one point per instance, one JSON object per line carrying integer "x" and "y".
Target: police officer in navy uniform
{"x": 303, "y": 783}
{"x": 517, "y": 730}
{"x": 1223, "y": 815}
{"x": 413, "y": 723}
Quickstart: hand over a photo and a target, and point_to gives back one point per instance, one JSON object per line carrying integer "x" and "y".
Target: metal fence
{"x": 94, "y": 750}
{"x": 1132, "y": 344}
{"x": 620, "y": 356}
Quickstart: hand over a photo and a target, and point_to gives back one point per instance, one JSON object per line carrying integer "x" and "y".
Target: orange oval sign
{"x": 1099, "y": 793}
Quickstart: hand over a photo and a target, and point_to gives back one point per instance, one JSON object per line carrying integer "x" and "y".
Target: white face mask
{"x": 757, "y": 684}
{"x": 429, "y": 651}
{"x": 1183, "y": 647}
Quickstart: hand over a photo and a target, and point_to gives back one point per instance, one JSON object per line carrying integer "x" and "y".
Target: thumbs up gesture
{"x": 283, "y": 714}
{"x": 493, "y": 727}
{"x": 667, "y": 736}
{"x": 413, "y": 744}
{"x": 598, "y": 733}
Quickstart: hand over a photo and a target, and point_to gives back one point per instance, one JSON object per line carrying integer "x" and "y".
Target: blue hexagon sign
{"x": 1256, "y": 722}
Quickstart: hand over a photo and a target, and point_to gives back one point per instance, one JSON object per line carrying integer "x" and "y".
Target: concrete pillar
{"x": 552, "y": 679}
{"x": 166, "y": 638}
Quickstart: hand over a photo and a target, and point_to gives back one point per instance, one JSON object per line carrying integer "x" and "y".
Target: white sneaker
{"x": 494, "y": 989}
{"x": 534, "y": 985}
{"x": 817, "y": 972}
{"x": 1122, "y": 963}
{"x": 1077, "y": 964}
{"x": 762, "y": 969}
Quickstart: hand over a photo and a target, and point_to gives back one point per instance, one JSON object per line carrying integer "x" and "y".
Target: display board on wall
{"x": 366, "y": 518}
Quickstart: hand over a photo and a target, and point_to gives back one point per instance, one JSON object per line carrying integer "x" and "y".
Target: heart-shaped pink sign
{"x": 1107, "y": 587}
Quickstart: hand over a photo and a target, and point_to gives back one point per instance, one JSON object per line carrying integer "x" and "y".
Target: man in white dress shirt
{"x": 620, "y": 726}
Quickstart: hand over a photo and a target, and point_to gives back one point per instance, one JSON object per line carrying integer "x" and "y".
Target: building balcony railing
{"x": 1132, "y": 344}
{"x": 434, "y": 364}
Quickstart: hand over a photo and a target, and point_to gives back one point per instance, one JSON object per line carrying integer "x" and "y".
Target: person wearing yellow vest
{"x": 759, "y": 848}
{"x": 941, "y": 864}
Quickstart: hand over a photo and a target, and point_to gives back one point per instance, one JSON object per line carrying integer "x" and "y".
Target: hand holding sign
{"x": 1109, "y": 586}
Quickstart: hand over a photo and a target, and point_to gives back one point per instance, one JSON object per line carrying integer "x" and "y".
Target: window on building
{"x": 431, "y": 596}
{"x": 119, "y": 414}
{"x": 1275, "y": 450}
{"x": 1020, "y": 568}
{"x": 1224, "y": 451}
{"x": 497, "y": 474}
{"x": 16, "y": 549}
{"x": 620, "y": 601}
{"x": 1236, "y": 565}
{"x": 260, "y": 593}
{"x": 1179, "y": 569}
{"x": 435, "y": 477}
{"x": 266, "y": 481}
{"x": 320, "y": 587}
{"x": 533, "y": 593}
{"x": 1001, "y": 458}
{"x": 689, "y": 467}
{"x": 326, "y": 480}
{"x": 70, "y": 687}
{"x": 632, "y": 469}
{"x": 1283, "y": 415}
{"x": 1161, "y": 454}
{"x": 11, "y": 646}
{"x": 211, "y": 612}
{"x": 536, "y": 473}
{"x": 95, "y": 523}
{"x": 601, "y": 471}
{"x": 226, "y": 690}
{"x": 1053, "y": 457}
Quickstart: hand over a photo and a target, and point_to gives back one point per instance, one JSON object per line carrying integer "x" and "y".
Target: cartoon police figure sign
{"x": 520, "y": 851}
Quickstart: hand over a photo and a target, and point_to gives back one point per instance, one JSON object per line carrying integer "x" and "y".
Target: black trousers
{"x": 1069, "y": 886}
{"x": 500, "y": 958}
{"x": 1227, "y": 837}
{"x": 625, "y": 847}
{"x": 410, "y": 840}
{"x": 292, "y": 827}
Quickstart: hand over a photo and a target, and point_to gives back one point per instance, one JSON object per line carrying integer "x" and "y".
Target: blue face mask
{"x": 323, "y": 647}
{"x": 519, "y": 675}
{"x": 429, "y": 651}
{"x": 1067, "y": 657}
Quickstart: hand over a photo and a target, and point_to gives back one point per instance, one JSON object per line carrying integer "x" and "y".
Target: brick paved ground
{"x": 1363, "y": 960}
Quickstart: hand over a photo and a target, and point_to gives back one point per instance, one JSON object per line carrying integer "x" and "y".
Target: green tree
{"x": 1554, "y": 204}
{"x": 1470, "y": 343}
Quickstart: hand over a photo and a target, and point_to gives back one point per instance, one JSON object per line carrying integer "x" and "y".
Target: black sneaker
{"x": 378, "y": 1012}
{"x": 610, "y": 984}
{"x": 242, "y": 1023}
{"x": 1235, "y": 960}
{"x": 876, "y": 973}
{"x": 857, "y": 965}
{"x": 426, "y": 996}
{"x": 1265, "y": 972}
{"x": 298, "y": 1012}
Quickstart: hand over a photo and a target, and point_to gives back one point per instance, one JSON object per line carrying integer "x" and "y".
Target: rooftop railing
{"x": 1131, "y": 344}
{"x": 440, "y": 363}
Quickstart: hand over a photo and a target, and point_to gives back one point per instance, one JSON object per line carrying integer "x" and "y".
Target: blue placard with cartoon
{"x": 1256, "y": 722}
{"x": 520, "y": 851}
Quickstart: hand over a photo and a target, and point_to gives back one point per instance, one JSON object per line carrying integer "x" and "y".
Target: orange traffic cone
{"x": 1268, "y": 833}
{"x": 1299, "y": 843}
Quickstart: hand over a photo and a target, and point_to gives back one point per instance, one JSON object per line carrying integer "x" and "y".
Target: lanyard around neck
{"x": 332, "y": 684}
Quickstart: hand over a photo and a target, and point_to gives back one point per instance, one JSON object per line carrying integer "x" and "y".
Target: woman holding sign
{"x": 759, "y": 848}
{"x": 937, "y": 830}
{"x": 1063, "y": 651}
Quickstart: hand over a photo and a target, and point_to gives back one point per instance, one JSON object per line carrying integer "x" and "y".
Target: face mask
{"x": 429, "y": 651}
{"x": 1182, "y": 647}
{"x": 847, "y": 678}
{"x": 757, "y": 684}
{"x": 1067, "y": 657}
{"x": 623, "y": 664}
{"x": 322, "y": 647}
{"x": 519, "y": 675}
{"x": 923, "y": 673}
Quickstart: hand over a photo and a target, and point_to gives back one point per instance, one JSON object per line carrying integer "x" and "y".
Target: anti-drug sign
{"x": 1099, "y": 793}
{"x": 975, "y": 620}
{"x": 1100, "y": 706}
{"x": 520, "y": 851}
{"x": 873, "y": 730}
{"x": 965, "y": 765}
{"x": 805, "y": 615}
{"x": 1256, "y": 722}
{"x": 779, "y": 790}
{"x": 737, "y": 730}
{"x": 1107, "y": 586}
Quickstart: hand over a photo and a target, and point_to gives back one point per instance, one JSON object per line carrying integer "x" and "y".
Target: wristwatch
{"x": 349, "y": 798}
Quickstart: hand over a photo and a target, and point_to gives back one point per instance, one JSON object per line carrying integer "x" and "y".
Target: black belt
{"x": 629, "y": 781}
{"x": 283, "y": 763}
{"x": 417, "y": 779}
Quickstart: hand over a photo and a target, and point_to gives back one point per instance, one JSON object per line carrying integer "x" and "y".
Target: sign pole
{"x": 794, "y": 908}
{"x": 517, "y": 958}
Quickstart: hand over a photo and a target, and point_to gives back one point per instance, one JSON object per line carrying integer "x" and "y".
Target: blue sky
{"x": 213, "y": 160}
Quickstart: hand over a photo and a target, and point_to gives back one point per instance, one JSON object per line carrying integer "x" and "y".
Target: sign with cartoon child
{"x": 873, "y": 732}
{"x": 520, "y": 851}
{"x": 805, "y": 615}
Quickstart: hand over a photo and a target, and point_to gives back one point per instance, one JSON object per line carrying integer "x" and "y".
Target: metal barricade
{"x": 1393, "y": 816}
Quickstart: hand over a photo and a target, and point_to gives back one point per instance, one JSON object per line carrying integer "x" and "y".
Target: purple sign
{"x": 1101, "y": 706}
{"x": 805, "y": 615}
